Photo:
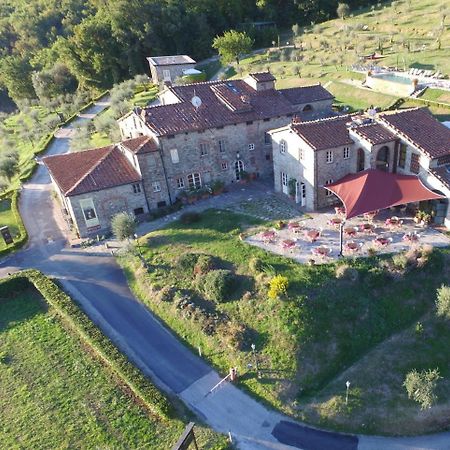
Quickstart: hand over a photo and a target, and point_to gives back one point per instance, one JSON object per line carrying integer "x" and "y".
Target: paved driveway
{"x": 97, "y": 283}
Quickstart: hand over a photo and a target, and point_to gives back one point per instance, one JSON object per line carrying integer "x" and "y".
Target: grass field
{"x": 7, "y": 218}
{"x": 407, "y": 34}
{"x": 308, "y": 342}
{"x": 53, "y": 394}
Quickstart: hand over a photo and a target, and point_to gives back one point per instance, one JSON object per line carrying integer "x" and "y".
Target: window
{"x": 90, "y": 216}
{"x": 415, "y": 164}
{"x": 329, "y": 156}
{"x": 249, "y": 122}
{"x": 194, "y": 180}
{"x": 266, "y": 120}
{"x": 136, "y": 188}
{"x": 301, "y": 153}
{"x": 267, "y": 157}
{"x": 161, "y": 204}
{"x": 346, "y": 152}
{"x": 156, "y": 186}
{"x": 222, "y": 146}
{"x": 327, "y": 192}
{"x": 224, "y": 165}
{"x": 402, "y": 156}
{"x": 166, "y": 75}
{"x": 138, "y": 211}
{"x": 251, "y": 147}
{"x": 267, "y": 138}
{"x": 203, "y": 149}
{"x": 307, "y": 108}
{"x": 303, "y": 190}
{"x": 284, "y": 179}
{"x": 180, "y": 183}
{"x": 174, "y": 156}
{"x": 283, "y": 147}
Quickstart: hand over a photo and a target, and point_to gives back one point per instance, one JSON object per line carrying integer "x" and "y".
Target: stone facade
{"x": 169, "y": 71}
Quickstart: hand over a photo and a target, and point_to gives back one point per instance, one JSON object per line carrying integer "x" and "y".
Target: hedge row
{"x": 132, "y": 377}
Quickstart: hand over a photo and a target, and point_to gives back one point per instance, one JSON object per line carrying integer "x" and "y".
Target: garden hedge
{"x": 74, "y": 317}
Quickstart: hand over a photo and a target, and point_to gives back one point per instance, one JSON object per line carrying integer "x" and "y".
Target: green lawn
{"x": 437, "y": 95}
{"x": 7, "y": 218}
{"x": 54, "y": 395}
{"x": 305, "y": 342}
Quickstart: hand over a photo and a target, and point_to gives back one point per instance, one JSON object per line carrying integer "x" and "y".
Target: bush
{"x": 217, "y": 285}
{"x": 420, "y": 386}
{"x": 400, "y": 261}
{"x": 190, "y": 217}
{"x": 186, "y": 262}
{"x": 256, "y": 265}
{"x": 123, "y": 226}
{"x": 345, "y": 272}
{"x": 203, "y": 265}
{"x": 278, "y": 287}
{"x": 443, "y": 302}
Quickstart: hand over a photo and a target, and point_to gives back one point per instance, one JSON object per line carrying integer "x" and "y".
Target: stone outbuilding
{"x": 166, "y": 69}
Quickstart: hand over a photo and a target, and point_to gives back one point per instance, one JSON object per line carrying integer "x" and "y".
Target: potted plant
{"x": 244, "y": 176}
{"x": 426, "y": 219}
{"x": 292, "y": 184}
{"x": 418, "y": 216}
{"x": 217, "y": 187}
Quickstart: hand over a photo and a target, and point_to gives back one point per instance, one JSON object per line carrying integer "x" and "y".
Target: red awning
{"x": 372, "y": 189}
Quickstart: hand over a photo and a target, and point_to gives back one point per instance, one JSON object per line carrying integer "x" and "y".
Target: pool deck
{"x": 303, "y": 251}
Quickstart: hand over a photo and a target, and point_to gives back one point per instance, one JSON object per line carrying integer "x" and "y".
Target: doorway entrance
{"x": 239, "y": 168}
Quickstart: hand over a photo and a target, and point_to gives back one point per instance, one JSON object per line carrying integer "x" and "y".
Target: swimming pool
{"x": 394, "y": 78}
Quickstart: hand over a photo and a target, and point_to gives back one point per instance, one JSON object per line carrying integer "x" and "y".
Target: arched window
{"x": 283, "y": 146}
{"x": 307, "y": 108}
{"x": 383, "y": 159}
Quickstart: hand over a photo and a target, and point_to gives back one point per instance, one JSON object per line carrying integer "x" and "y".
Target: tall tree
{"x": 232, "y": 45}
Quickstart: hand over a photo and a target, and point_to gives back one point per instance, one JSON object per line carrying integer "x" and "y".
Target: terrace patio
{"x": 315, "y": 237}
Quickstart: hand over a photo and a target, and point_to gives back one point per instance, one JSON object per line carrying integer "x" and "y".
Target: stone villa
{"x": 166, "y": 69}
{"x": 308, "y": 155}
{"x": 226, "y": 130}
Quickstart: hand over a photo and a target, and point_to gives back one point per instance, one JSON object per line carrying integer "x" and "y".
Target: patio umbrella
{"x": 372, "y": 189}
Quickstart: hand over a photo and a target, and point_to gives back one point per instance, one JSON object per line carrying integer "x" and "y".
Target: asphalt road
{"x": 97, "y": 283}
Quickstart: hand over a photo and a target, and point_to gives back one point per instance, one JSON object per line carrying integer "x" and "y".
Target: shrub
{"x": 189, "y": 217}
{"x": 203, "y": 265}
{"x": 278, "y": 287}
{"x": 123, "y": 225}
{"x": 217, "y": 285}
{"x": 233, "y": 334}
{"x": 400, "y": 261}
{"x": 167, "y": 293}
{"x": 256, "y": 265}
{"x": 420, "y": 386}
{"x": 186, "y": 262}
{"x": 443, "y": 302}
{"x": 345, "y": 272}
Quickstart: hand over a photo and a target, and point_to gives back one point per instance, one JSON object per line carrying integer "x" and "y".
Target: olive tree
{"x": 343, "y": 10}
{"x": 420, "y": 386}
{"x": 232, "y": 44}
{"x": 123, "y": 226}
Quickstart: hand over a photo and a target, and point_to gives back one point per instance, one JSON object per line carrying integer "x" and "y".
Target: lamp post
{"x": 347, "y": 384}
{"x": 256, "y": 360}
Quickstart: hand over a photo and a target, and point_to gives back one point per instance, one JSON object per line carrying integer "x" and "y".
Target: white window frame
{"x": 137, "y": 188}
{"x": 267, "y": 138}
{"x": 174, "y": 156}
{"x": 251, "y": 147}
{"x": 283, "y": 146}
{"x": 346, "y": 152}
{"x": 222, "y": 146}
{"x": 88, "y": 204}
{"x": 167, "y": 75}
{"x": 224, "y": 165}
{"x": 180, "y": 183}
{"x": 301, "y": 153}
{"x": 327, "y": 192}
{"x": 194, "y": 180}
{"x": 329, "y": 156}
{"x": 204, "y": 147}
{"x": 284, "y": 179}
{"x": 156, "y": 186}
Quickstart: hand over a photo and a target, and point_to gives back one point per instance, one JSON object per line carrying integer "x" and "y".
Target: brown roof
{"x": 262, "y": 76}
{"x": 324, "y": 133}
{"x": 422, "y": 129}
{"x": 140, "y": 145}
{"x": 374, "y": 133}
{"x": 306, "y": 94}
{"x": 91, "y": 170}
{"x": 225, "y": 103}
{"x": 442, "y": 173}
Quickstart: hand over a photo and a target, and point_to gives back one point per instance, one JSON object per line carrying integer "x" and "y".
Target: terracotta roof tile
{"x": 374, "y": 133}
{"x": 324, "y": 133}
{"x": 421, "y": 128}
{"x": 225, "y": 103}
{"x": 140, "y": 145}
{"x": 262, "y": 76}
{"x": 91, "y": 170}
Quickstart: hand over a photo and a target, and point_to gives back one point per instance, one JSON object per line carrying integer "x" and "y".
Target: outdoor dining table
{"x": 382, "y": 241}
{"x": 312, "y": 235}
{"x": 369, "y": 216}
{"x": 393, "y": 222}
{"x": 293, "y": 226}
{"x": 410, "y": 238}
{"x": 268, "y": 235}
{"x": 367, "y": 227}
{"x": 321, "y": 251}
{"x": 335, "y": 222}
{"x": 352, "y": 246}
{"x": 350, "y": 231}
{"x": 288, "y": 244}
